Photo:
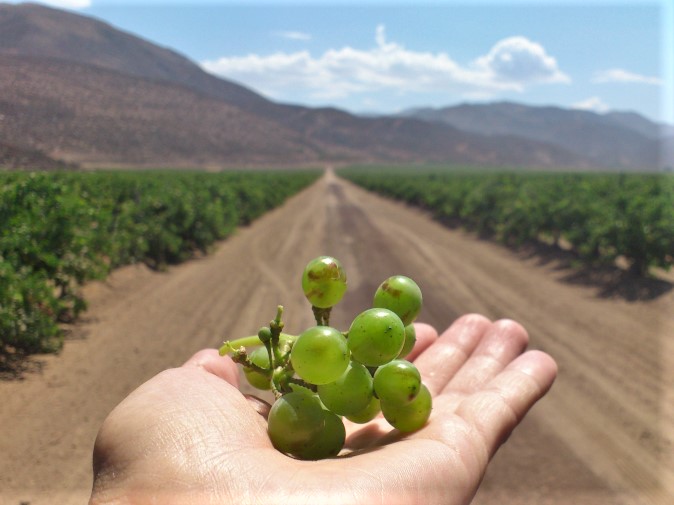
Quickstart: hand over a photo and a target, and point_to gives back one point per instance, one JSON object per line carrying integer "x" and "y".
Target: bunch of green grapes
{"x": 324, "y": 375}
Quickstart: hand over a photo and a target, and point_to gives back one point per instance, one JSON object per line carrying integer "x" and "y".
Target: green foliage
{"x": 27, "y": 312}
{"x": 58, "y": 230}
{"x": 601, "y": 216}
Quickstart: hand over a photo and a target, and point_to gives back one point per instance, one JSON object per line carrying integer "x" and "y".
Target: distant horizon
{"x": 514, "y": 102}
{"x": 382, "y": 59}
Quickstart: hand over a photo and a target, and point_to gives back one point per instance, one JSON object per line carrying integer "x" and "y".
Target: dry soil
{"x": 604, "y": 434}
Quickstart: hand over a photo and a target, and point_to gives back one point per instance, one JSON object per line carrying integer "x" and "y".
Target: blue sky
{"x": 388, "y": 56}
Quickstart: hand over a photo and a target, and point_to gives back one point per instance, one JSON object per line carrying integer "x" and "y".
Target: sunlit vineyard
{"x": 58, "y": 230}
{"x": 600, "y": 217}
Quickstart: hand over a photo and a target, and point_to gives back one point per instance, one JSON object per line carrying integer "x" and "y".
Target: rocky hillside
{"x": 80, "y": 90}
{"x": 620, "y": 140}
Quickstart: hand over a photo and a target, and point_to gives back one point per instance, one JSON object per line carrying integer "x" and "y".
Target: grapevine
{"x": 324, "y": 374}
{"x": 59, "y": 230}
{"x": 601, "y": 218}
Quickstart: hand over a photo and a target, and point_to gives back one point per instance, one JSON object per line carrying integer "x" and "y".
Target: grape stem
{"x": 250, "y": 341}
{"x": 276, "y": 382}
{"x": 300, "y": 382}
{"x": 322, "y": 316}
{"x": 278, "y": 347}
{"x": 276, "y": 325}
{"x": 241, "y": 356}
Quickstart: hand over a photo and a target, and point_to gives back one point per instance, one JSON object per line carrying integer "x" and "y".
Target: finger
{"x": 443, "y": 358}
{"x": 426, "y": 335}
{"x": 497, "y": 409}
{"x": 220, "y": 366}
{"x": 501, "y": 343}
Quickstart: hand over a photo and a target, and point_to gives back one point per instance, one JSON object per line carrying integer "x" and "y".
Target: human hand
{"x": 188, "y": 436}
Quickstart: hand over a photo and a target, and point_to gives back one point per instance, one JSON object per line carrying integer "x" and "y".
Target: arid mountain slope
{"x": 79, "y": 89}
{"x": 35, "y": 30}
{"x": 617, "y": 140}
{"x": 76, "y": 112}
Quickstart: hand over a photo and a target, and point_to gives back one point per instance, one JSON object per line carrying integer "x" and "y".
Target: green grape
{"x": 302, "y": 389}
{"x": 260, "y": 357}
{"x": 409, "y": 416}
{"x": 410, "y": 340}
{"x": 376, "y": 336}
{"x": 320, "y": 355}
{"x": 294, "y": 421}
{"x": 401, "y": 295}
{"x": 324, "y": 282}
{"x": 368, "y": 413}
{"x": 327, "y": 442}
{"x": 397, "y": 382}
{"x": 350, "y": 393}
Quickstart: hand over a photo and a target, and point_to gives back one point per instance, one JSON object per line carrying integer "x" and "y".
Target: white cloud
{"x": 594, "y": 104}
{"x": 512, "y": 64}
{"x": 292, "y": 35}
{"x": 620, "y": 75}
{"x": 519, "y": 61}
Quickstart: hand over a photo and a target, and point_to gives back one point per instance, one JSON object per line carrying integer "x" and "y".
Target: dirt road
{"x": 604, "y": 435}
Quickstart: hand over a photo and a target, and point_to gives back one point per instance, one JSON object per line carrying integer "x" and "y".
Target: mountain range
{"x": 76, "y": 90}
{"x": 617, "y": 139}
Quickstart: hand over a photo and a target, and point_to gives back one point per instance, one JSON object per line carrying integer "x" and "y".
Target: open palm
{"x": 188, "y": 436}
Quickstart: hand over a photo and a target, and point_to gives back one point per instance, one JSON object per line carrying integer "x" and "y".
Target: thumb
{"x": 220, "y": 366}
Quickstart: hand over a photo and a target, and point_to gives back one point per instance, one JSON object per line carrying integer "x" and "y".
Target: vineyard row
{"x": 58, "y": 230}
{"x": 600, "y": 216}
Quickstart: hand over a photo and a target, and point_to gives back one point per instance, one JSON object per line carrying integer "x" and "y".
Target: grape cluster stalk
{"x": 324, "y": 375}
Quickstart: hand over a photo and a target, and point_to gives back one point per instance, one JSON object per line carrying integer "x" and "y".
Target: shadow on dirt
{"x": 611, "y": 281}
{"x": 15, "y": 366}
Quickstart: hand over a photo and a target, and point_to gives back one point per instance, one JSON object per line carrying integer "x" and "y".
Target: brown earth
{"x": 604, "y": 435}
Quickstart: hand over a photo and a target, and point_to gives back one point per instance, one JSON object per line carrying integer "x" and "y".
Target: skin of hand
{"x": 188, "y": 436}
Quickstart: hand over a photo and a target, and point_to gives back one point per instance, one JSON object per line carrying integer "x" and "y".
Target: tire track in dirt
{"x": 602, "y": 436}
{"x": 611, "y": 388}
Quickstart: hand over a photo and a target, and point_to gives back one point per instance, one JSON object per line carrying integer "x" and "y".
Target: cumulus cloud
{"x": 512, "y": 64}
{"x": 620, "y": 75}
{"x": 519, "y": 61}
{"x": 594, "y": 104}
